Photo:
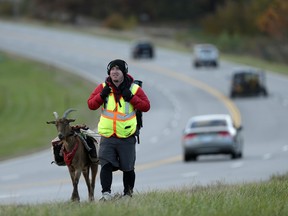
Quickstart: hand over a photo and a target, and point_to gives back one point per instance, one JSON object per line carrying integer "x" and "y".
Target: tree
{"x": 274, "y": 20}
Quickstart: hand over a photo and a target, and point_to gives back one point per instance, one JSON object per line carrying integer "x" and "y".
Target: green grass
{"x": 251, "y": 199}
{"x": 259, "y": 63}
{"x": 29, "y": 93}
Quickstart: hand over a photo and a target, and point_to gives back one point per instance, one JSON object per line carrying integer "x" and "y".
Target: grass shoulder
{"x": 262, "y": 198}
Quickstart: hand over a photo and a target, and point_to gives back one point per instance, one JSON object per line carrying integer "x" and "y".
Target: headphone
{"x": 123, "y": 62}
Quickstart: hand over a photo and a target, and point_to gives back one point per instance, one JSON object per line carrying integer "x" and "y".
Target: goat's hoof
{"x": 75, "y": 199}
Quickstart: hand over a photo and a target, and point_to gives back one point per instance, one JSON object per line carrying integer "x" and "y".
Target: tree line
{"x": 228, "y": 20}
{"x": 248, "y": 17}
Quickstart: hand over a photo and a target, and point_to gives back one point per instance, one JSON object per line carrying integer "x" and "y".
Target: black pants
{"x": 106, "y": 177}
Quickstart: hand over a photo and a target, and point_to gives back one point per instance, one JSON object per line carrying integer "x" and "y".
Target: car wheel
{"x": 196, "y": 65}
{"x": 234, "y": 155}
{"x": 189, "y": 157}
{"x": 186, "y": 157}
{"x": 265, "y": 92}
{"x": 193, "y": 157}
{"x": 240, "y": 155}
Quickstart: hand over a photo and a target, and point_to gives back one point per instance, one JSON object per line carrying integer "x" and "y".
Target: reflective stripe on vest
{"x": 118, "y": 120}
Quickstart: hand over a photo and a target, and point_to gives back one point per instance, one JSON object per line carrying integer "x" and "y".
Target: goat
{"x": 75, "y": 155}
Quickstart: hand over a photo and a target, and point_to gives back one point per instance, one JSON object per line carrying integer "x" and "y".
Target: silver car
{"x": 211, "y": 134}
{"x": 205, "y": 55}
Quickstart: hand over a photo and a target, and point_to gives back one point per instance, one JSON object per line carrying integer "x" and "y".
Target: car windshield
{"x": 246, "y": 76}
{"x": 208, "y": 123}
{"x": 144, "y": 45}
{"x": 205, "y": 50}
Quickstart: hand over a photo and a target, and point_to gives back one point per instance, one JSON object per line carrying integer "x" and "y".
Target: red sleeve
{"x": 95, "y": 100}
{"x": 140, "y": 101}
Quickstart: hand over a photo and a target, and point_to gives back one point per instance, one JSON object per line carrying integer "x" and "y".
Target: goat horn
{"x": 56, "y": 115}
{"x": 67, "y": 112}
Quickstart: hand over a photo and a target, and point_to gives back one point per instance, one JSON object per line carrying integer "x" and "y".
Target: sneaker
{"x": 128, "y": 193}
{"x": 106, "y": 196}
{"x": 126, "y": 196}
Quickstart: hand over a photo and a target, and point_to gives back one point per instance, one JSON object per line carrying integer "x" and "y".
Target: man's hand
{"x": 127, "y": 94}
{"x": 105, "y": 92}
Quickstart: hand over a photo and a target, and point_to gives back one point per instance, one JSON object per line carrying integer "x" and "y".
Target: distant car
{"x": 142, "y": 49}
{"x": 205, "y": 55}
{"x": 248, "y": 82}
{"x": 211, "y": 134}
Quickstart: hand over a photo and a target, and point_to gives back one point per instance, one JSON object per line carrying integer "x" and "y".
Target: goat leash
{"x": 68, "y": 156}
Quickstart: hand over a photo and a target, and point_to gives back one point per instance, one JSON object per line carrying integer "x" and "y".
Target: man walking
{"x": 119, "y": 98}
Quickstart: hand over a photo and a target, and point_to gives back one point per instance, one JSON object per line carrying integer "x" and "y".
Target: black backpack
{"x": 138, "y": 116}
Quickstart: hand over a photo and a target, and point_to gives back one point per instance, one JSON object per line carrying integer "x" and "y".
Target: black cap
{"x": 122, "y": 65}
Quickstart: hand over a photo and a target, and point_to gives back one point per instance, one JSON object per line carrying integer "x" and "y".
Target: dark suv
{"x": 248, "y": 82}
{"x": 143, "y": 49}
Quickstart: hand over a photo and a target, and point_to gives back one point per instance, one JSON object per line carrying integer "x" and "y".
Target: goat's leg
{"x": 75, "y": 176}
{"x": 72, "y": 175}
{"x": 94, "y": 170}
{"x": 88, "y": 183}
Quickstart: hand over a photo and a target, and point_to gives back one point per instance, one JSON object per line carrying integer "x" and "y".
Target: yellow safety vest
{"x": 118, "y": 120}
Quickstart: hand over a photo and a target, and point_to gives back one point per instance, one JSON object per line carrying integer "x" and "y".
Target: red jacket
{"x": 140, "y": 101}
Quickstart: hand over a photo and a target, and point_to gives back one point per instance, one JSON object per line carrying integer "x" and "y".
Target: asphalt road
{"x": 176, "y": 91}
